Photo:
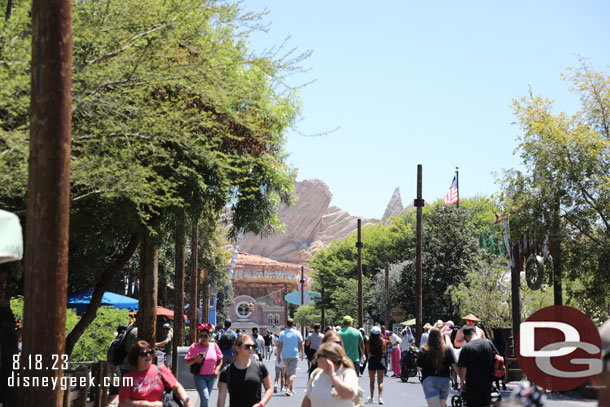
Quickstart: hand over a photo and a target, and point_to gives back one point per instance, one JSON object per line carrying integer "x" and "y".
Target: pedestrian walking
{"x": 260, "y": 344}
{"x": 280, "y": 374}
{"x": 268, "y": 345}
{"x": 149, "y": 380}
{"x": 312, "y": 343}
{"x": 434, "y": 360}
{"x": 290, "y": 346}
{"x": 376, "y": 349}
{"x": 353, "y": 342}
{"x": 205, "y": 360}
{"x": 329, "y": 336}
{"x": 225, "y": 338}
{"x": 165, "y": 345}
{"x": 476, "y": 366}
{"x": 334, "y": 382}
{"x": 244, "y": 377}
{"x": 471, "y": 320}
{"x": 395, "y": 341}
{"x": 424, "y": 335}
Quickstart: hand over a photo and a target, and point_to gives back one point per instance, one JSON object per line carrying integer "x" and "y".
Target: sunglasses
{"x": 322, "y": 355}
{"x": 204, "y": 335}
{"x": 146, "y": 353}
{"x": 338, "y": 342}
{"x": 248, "y": 346}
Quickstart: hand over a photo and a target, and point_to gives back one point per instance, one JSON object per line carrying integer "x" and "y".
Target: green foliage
{"x": 307, "y": 315}
{"x": 451, "y": 246}
{"x": 93, "y": 344}
{"x": 564, "y": 191}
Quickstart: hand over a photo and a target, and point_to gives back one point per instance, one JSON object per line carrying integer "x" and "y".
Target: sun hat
{"x": 471, "y": 317}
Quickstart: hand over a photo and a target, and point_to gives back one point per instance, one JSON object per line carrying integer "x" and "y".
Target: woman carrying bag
{"x": 204, "y": 359}
{"x": 149, "y": 380}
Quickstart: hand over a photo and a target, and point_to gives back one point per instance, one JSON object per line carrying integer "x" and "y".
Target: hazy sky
{"x": 424, "y": 82}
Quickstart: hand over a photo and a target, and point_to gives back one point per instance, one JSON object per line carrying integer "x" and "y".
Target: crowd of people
{"x": 336, "y": 357}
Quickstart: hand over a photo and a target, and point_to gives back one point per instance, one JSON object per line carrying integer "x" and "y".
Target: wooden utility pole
{"x": 387, "y": 295}
{"x": 178, "y": 339}
{"x": 302, "y": 297}
{"x": 149, "y": 281}
{"x": 419, "y": 204}
{"x": 515, "y": 278}
{"x": 194, "y": 321}
{"x": 359, "y": 246}
{"x": 48, "y": 197}
{"x": 285, "y": 304}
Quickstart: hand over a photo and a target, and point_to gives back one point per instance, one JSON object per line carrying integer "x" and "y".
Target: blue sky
{"x": 426, "y": 82}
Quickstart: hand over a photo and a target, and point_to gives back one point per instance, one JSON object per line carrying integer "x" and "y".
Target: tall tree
{"x": 564, "y": 192}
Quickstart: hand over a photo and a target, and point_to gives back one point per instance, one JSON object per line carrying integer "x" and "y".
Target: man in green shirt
{"x": 352, "y": 341}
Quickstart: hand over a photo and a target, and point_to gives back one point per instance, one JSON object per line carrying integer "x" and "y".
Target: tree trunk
{"x": 48, "y": 200}
{"x": 103, "y": 282}
{"x": 147, "y": 312}
{"x": 8, "y": 338}
{"x": 194, "y": 273}
{"x": 179, "y": 288}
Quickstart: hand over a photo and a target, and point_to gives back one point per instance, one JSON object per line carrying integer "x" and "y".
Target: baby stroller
{"x": 459, "y": 400}
{"x": 408, "y": 364}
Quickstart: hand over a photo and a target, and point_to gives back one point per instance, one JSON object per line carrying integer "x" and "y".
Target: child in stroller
{"x": 459, "y": 400}
{"x": 408, "y": 364}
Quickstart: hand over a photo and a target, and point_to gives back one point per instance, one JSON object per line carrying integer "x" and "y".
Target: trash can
{"x": 183, "y": 372}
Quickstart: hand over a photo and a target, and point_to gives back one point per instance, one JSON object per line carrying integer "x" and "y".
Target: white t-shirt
{"x": 395, "y": 339}
{"x": 404, "y": 345}
{"x": 321, "y": 392}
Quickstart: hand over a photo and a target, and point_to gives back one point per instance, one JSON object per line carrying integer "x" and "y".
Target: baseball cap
{"x": 347, "y": 320}
{"x": 166, "y": 326}
{"x": 450, "y": 324}
{"x": 376, "y": 330}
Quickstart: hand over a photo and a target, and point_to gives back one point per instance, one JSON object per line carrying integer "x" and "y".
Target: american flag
{"x": 452, "y": 194}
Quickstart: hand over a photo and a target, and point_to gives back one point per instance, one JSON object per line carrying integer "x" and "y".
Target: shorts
{"x": 311, "y": 353}
{"x": 377, "y": 363}
{"x": 279, "y": 370}
{"x": 436, "y": 386}
{"x": 291, "y": 366}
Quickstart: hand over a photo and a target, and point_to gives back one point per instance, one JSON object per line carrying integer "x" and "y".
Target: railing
{"x": 86, "y": 396}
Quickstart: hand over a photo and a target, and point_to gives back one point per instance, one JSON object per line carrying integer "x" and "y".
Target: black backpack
{"x": 116, "y": 351}
{"x": 225, "y": 341}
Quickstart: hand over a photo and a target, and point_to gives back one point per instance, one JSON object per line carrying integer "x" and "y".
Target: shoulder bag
{"x": 169, "y": 398}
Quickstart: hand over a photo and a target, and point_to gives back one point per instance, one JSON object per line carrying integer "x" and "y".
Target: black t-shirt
{"x": 244, "y": 385}
{"x": 267, "y": 339}
{"x": 477, "y": 357}
{"x": 426, "y": 362}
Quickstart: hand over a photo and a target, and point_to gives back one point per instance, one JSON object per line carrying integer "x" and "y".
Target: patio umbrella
{"x": 11, "y": 237}
{"x": 408, "y": 322}
{"x": 81, "y": 301}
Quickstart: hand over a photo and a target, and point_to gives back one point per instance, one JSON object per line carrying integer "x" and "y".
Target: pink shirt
{"x": 212, "y": 354}
{"x": 146, "y": 384}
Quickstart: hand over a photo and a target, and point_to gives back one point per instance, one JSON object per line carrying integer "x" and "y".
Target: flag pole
{"x": 457, "y": 184}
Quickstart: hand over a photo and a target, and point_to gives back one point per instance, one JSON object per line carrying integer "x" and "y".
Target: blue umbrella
{"x": 81, "y": 301}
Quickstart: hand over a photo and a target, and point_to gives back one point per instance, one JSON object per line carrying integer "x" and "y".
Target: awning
{"x": 167, "y": 313}
{"x": 11, "y": 237}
